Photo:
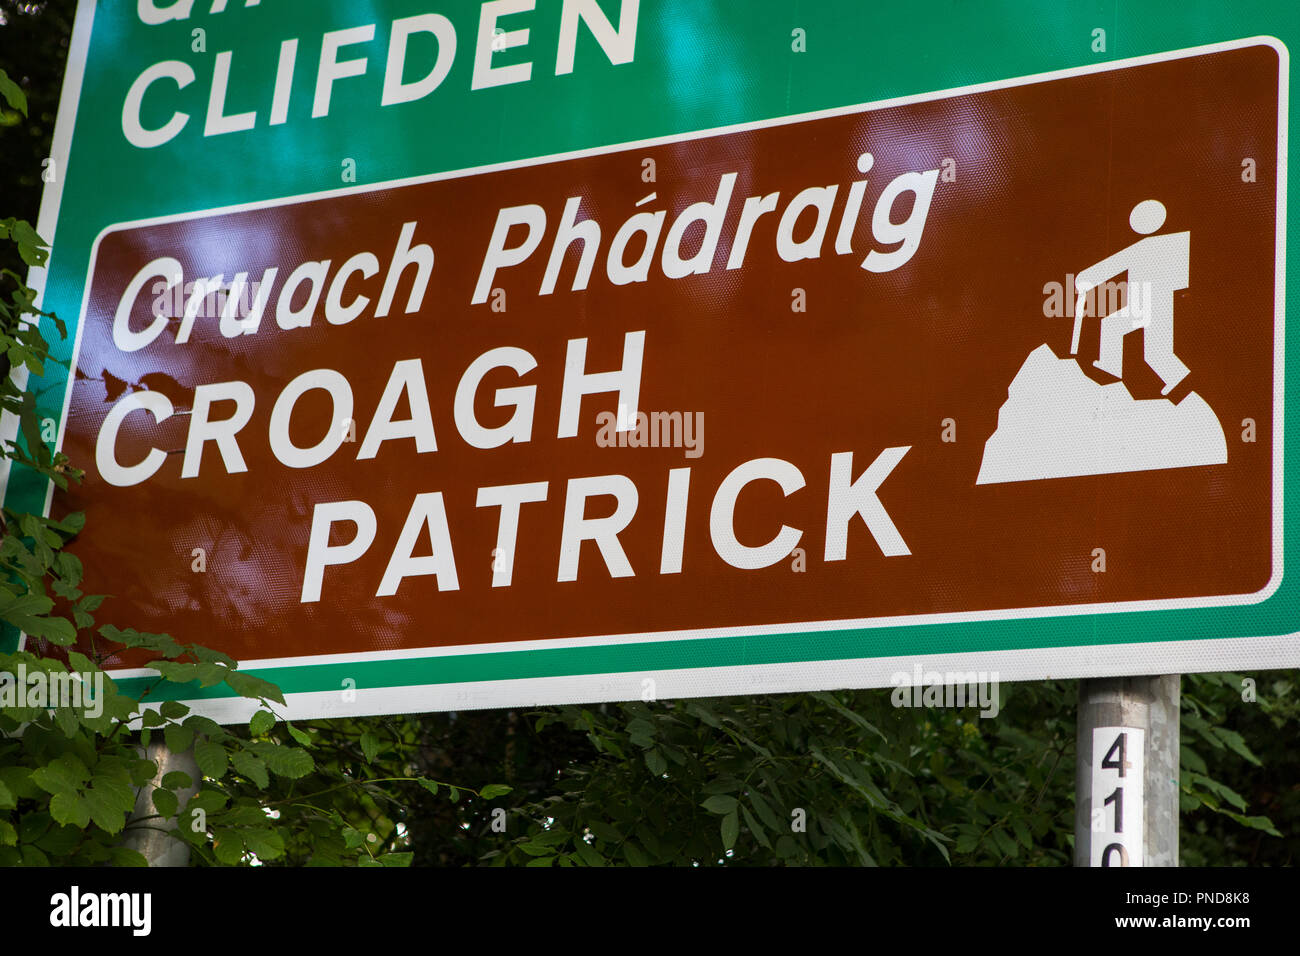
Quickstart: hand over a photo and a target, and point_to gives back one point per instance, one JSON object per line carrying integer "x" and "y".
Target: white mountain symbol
{"x": 1058, "y": 422}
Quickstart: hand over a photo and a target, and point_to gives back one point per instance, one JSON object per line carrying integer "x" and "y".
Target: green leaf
{"x": 175, "y": 671}
{"x": 251, "y": 766}
{"x": 227, "y": 846}
{"x": 19, "y": 782}
{"x": 369, "y": 746}
{"x": 655, "y": 762}
{"x": 494, "y": 790}
{"x": 19, "y": 609}
{"x": 208, "y": 656}
{"x": 209, "y": 673}
{"x": 430, "y": 785}
{"x": 32, "y": 826}
{"x": 246, "y": 685}
{"x": 537, "y": 849}
{"x": 301, "y": 736}
{"x": 756, "y": 828}
{"x": 1022, "y": 833}
{"x": 1237, "y": 744}
{"x": 1192, "y": 760}
{"x": 588, "y": 854}
{"x": 13, "y": 93}
{"x": 634, "y": 856}
{"x": 179, "y": 737}
{"x": 261, "y": 723}
{"x": 397, "y": 859}
{"x": 7, "y": 800}
{"x": 246, "y": 814}
{"x": 177, "y": 780}
{"x": 81, "y": 663}
{"x": 34, "y": 857}
{"x": 289, "y": 762}
{"x": 730, "y": 829}
{"x": 56, "y": 630}
{"x": 173, "y": 709}
{"x": 158, "y": 643}
{"x": 66, "y": 773}
{"x": 112, "y": 773}
{"x": 720, "y": 804}
{"x": 209, "y": 801}
{"x": 1255, "y": 823}
{"x": 266, "y": 844}
{"x": 67, "y": 720}
{"x": 121, "y": 856}
{"x": 765, "y": 812}
{"x": 166, "y": 802}
{"x": 552, "y": 837}
{"x": 73, "y": 523}
{"x": 641, "y": 732}
{"x": 105, "y": 807}
{"x": 204, "y": 725}
{"x": 211, "y": 758}
{"x": 605, "y": 831}
{"x": 69, "y": 570}
{"x": 1006, "y": 845}
{"x": 70, "y": 809}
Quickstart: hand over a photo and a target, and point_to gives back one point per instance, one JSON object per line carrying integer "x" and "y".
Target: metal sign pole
{"x": 1126, "y": 772}
{"x": 150, "y": 837}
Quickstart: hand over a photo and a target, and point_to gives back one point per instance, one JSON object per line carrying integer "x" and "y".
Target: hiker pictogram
{"x": 1157, "y": 267}
{"x": 1058, "y": 422}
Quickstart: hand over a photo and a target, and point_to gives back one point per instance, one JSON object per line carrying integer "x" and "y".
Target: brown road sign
{"x": 818, "y": 371}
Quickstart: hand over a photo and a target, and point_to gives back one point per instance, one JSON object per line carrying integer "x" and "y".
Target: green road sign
{"x": 436, "y": 356}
